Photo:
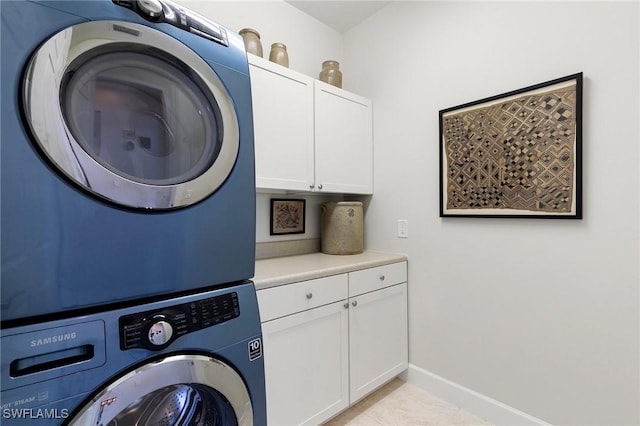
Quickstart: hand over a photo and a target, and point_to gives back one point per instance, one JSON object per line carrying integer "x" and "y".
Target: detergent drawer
{"x": 35, "y": 355}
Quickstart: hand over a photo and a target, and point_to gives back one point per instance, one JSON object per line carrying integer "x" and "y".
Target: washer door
{"x": 131, "y": 115}
{"x": 193, "y": 390}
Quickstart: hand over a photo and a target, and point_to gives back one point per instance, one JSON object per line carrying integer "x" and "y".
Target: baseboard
{"x": 480, "y": 405}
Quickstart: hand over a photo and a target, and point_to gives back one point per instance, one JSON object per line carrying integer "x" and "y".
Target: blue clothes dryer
{"x": 193, "y": 360}
{"x": 127, "y": 166}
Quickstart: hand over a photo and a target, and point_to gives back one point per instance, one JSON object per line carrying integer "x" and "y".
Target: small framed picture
{"x": 287, "y": 216}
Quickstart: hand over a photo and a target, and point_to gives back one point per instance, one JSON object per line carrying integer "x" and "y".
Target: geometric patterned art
{"x": 516, "y": 154}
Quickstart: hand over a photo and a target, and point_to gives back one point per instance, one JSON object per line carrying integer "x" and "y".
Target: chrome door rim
{"x": 169, "y": 371}
{"x": 64, "y": 151}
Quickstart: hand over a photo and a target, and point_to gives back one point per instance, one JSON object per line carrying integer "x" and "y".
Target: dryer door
{"x": 131, "y": 115}
{"x": 192, "y": 390}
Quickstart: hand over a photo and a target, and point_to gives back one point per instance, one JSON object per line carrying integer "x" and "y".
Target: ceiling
{"x": 340, "y": 15}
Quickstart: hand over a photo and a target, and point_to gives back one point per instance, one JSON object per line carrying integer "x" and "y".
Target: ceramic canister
{"x": 279, "y": 54}
{"x": 331, "y": 73}
{"x": 251, "y": 41}
{"x": 341, "y": 227}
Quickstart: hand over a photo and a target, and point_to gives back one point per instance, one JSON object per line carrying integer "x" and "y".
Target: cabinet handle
{"x": 346, "y": 305}
{"x": 354, "y": 303}
{"x": 309, "y": 295}
{"x": 381, "y": 277}
{"x": 320, "y": 186}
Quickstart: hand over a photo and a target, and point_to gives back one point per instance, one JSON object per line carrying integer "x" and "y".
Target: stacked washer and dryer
{"x": 128, "y": 218}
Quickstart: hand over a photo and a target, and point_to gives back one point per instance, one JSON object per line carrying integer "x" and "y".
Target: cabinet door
{"x": 306, "y": 365}
{"x": 343, "y": 142}
{"x": 378, "y": 338}
{"x": 283, "y": 126}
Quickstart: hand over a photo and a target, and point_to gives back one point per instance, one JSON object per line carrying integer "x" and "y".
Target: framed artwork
{"x": 287, "y": 216}
{"x": 515, "y": 155}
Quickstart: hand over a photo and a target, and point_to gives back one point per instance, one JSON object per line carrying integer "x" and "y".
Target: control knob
{"x": 151, "y": 9}
{"x": 159, "y": 333}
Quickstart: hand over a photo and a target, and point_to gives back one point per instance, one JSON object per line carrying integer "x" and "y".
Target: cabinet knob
{"x": 309, "y": 295}
{"x": 320, "y": 186}
{"x": 381, "y": 277}
{"x": 346, "y": 305}
{"x": 312, "y": 186}
{"x": 354, "y": 303}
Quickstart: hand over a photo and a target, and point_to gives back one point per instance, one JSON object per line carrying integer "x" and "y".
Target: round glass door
{"x": 193, "y": 390}
{"x": 142, "y": 117}
{"x": 129, "y": 122}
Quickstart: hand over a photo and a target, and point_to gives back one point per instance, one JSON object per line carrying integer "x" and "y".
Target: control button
{"x": 160, "y": 333}
{"x": 151, "y": 9}
{"x": 183, "y": 17}
{"x": 125, "y": 3}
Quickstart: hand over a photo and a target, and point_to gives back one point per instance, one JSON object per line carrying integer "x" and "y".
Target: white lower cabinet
{"x": 306, "y": 360}
{"x": 328, "y": 342}
{"x": 377, "y": 339}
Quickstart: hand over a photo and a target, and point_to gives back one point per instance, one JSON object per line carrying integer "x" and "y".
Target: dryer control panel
{"x": 157, "y": 329}
{"x": 173, "y": 14}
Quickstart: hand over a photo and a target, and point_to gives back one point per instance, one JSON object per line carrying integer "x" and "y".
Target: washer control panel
{"x": 155, "y": 330}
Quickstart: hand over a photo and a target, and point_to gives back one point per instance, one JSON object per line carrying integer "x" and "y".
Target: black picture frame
{"x": 287, "y": 216}
{"x": 514, "y": 155}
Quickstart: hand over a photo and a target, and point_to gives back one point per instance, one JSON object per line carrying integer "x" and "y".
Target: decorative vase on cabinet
{"x": 251, "y": 40}
{"x": 279, "y": 54}
{"x": 331, "y": 73}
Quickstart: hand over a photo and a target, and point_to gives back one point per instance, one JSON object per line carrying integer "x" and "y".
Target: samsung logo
{"x": 53, "y": 339}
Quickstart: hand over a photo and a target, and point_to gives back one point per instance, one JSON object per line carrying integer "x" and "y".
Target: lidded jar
{"x": 251, "y": 40}
{"x": 331, "y": 73}
{"x": 279, "y": 54}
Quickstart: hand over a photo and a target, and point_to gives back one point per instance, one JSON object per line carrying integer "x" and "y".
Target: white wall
{"x": 309, "y": 42}
{"x": 542, "y": 315}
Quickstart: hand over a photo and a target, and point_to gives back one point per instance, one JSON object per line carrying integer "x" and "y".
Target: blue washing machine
{"x": 194, "y": 360}
{"x": 127, "y": 166}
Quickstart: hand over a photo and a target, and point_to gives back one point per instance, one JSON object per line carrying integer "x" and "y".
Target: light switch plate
{"x": 403, "y": 228}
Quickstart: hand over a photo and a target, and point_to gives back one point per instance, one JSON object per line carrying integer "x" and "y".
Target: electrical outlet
{"x": 403, "y": 228}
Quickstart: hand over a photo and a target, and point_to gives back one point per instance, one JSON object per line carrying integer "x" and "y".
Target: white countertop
{"x": 289, "y": 269}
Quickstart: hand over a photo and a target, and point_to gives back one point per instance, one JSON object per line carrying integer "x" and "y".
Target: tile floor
{"x": 402, "y": 404}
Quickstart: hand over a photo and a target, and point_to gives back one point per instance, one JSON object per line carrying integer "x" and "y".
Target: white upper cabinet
{"x": 309, "y": 135}
{"x": 343, "y": 141}
{"x": 283, "y": 126}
